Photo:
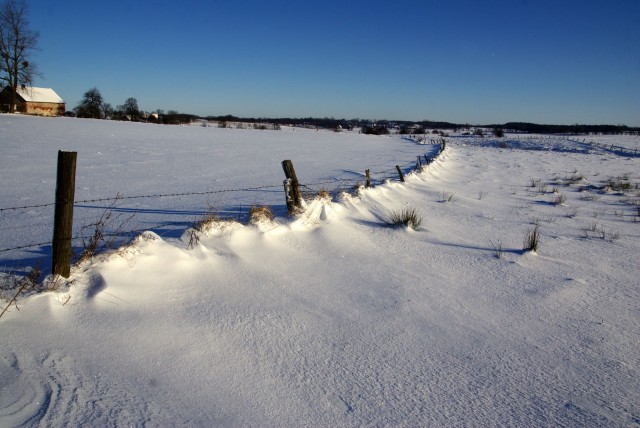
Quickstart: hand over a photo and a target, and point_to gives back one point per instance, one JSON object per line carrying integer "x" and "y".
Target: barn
{"x": 36, "y": 101}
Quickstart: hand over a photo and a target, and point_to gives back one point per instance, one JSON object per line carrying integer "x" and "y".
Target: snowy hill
{"x": 332, "y": 318}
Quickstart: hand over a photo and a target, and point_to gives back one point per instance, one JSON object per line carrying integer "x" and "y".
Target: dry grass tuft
{"x": 324, "y": 194}
{"x": 407, "y": 217}
{"x": 531, "y": 240}
{"x": 260, "y": 213}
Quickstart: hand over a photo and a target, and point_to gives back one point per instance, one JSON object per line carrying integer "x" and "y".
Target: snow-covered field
{"x": 332, "y": 318}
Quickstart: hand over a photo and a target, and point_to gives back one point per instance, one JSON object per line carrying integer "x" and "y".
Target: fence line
{"x": 604, "y": 146}
{"x": 343, "y": 184}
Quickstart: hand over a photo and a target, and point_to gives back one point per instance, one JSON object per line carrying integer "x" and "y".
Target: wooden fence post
{"x": 63, "y": 220}
{"x": 368, "y": 178}
{"x": 400, "y": 173}
{"x": 294, "y": 196}
{"x": 419, "y": 163}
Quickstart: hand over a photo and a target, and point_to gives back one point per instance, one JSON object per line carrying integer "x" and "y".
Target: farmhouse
{"x": 36, "y": 101}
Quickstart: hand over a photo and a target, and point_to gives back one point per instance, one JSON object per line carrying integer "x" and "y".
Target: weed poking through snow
{"x": 258, "y": 214}
{"x": 532, "y": 240}
{"x": 22, "y": 285}
{"x": 497, "y": 249}
{"x": 447, "y": 197}
{"x": 408, "y": 217}
{"x": 560, "y": 199}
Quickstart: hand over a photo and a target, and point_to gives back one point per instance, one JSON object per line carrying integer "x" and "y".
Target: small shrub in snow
{"x": 619, "y": 184}
{"x": 532, "y": 240}
{"x": 589, "y": 197}
{"x": 202, "y": 225}
{"x": 614, "y": 235}
{"x": 408, "y": 217}
{"x": 543, "y": 189}
{"x": 20, "y": 285}
{"x": 103, "y": 233}
{"x": 560, "y": 199}
{"x": 570, "y": 178}
{"x": 497, "y": 249}
{"x": 571, "y": 213}
{"x": 260, "y": 213}
{"x": 447, "y": 197}
{"x": 324, "y": 194}
{"x": 205, "y": 222}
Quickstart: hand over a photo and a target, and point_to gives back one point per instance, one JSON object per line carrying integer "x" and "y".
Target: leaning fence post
{"x": 368, "y": 178}
{"x": 63, "y": 220}
{"x": 292, "y": 186}
{"x": 400, "y": 173}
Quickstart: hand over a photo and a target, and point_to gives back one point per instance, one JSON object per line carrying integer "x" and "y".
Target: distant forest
{"x": 426, "y": 126}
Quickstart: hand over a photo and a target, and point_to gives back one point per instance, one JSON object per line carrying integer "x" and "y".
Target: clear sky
{"x": 467, "y": 61}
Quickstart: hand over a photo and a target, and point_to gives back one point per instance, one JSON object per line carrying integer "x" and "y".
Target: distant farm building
{"x": 36, "y": 101}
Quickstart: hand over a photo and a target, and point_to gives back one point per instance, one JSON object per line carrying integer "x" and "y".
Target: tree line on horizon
{"x": 93, "y": 106}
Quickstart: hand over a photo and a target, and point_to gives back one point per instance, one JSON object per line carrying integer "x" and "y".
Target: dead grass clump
{"x": 200, "y": 226}
{"x": 447, "y": 197}
{"x": 560, "y": 199}
{"x": 574, "y": 178}
{"x": 531, "y": 240}
{"x": 619, "y": 184}
{"x": 497, "y": 249}
{"x": 104, "y": 234}
{"x": 572, "y": 212}
{"x": 407, "y": 217}
{"x": 324, "y": 194}
{"x": 205, "y": 223}
{"x": 259, "y": 214}
{"x": 22, "y": 285}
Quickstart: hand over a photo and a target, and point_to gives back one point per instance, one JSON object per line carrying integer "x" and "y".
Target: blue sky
{"x": 478, "y": 62}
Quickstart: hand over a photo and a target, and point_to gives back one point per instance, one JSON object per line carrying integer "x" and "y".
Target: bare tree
{"x": 17, "y": 41}
{"x": 92, "y": 105}
{"x": 131, "y": 109}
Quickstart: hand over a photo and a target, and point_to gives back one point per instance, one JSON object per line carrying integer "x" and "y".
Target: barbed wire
{"x": 22, "y": 247}
{"x": 28, "y": 207}
{"x": 173, "y": 195}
